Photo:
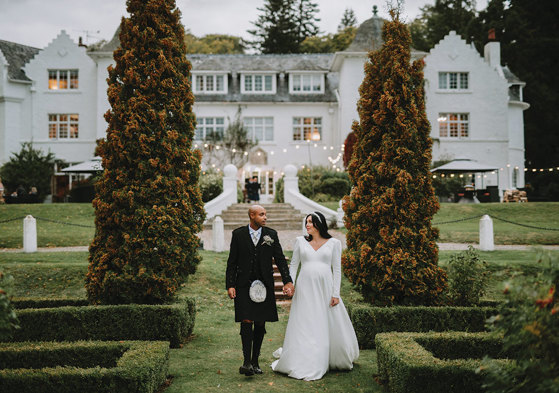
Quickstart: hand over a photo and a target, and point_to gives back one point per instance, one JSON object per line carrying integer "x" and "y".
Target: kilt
{"x": 259, "y": 312}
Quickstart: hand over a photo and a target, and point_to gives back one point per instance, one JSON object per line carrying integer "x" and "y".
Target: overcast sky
{"x": 37, "y": 22}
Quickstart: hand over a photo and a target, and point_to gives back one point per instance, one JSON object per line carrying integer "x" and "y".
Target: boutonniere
{"x": 267, "y": 240}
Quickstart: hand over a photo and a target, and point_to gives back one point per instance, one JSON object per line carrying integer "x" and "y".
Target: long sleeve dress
{"x": 318, "y": 337}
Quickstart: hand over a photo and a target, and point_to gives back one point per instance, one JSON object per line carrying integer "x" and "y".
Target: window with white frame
{"x": 306, "y": 83}
{"x": 453, "y": 125}
{"x": 208, "y": 126}
{"x": 453, "y": 81}
{"x": 307, "y": 128}
{"x": 64, "y": 126}
{"x": 63, "y": 79}
{"x": 259, "y": 129}
{"x": 210, "y": 83}
{"x": 258, "y": 83}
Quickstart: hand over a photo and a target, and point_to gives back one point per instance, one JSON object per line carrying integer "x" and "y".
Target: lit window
{"x": 306, "y": 83}
{"x": 210, "y": 84}
{"x": 453, "y": 80}
{"x": 258, "y": 83}
{"x": 209, "y": 127}
{"x": 453, "y": 125}
{"x": 64, "y": 126}
{"x": 259, "y": 129}
{"x": 307, "y": 128}
{"x": 63, "y": 79}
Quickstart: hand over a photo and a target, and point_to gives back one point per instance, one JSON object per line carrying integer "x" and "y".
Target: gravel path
{"x": 287, "y": 239}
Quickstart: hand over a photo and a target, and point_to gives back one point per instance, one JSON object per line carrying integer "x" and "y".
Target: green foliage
{"x": 391, "y": 253}
{"x": 438, "y": 19}
{"x": 279, "y": 197}
{"x": 8, "y": 318}
{"x": 323, "y": 180}
{"x": 348, "y": 19}
{"x": 283, "y": 25}
{"x": 28, "y": 168}
{"x": 435, "y": 362}
{"x": 211, "y": 185}
{"x": 529, "y": 322}
{"x": 214, "y": 44}
{"x": 368, "y": 321}
{"x": 446, "y": 187}
{"x": 169, "y": 322}
{"x": 88, "y": 367}
{"x": 148, "y": 206}
{"x": 468, "y": 276}
{"x": 329, "y": 43}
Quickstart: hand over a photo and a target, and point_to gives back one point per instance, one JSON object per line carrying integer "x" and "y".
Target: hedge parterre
{"x": 93, "y": 366}
{"x": 435, "y": 362}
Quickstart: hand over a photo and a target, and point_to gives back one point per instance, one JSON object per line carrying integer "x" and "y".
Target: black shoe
{"x": 247, "y": 370}
{"x": 256, "y": 368}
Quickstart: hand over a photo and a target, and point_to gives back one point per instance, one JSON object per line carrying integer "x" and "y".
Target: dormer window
{"x": 453, "y": 81}
{"x": 306, "y": 83}
{"x": 210, "y": 83}
{"x": 260, "y": 83}
{"x": 63, "y": 79}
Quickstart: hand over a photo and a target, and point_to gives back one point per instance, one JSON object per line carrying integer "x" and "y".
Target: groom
{"x": 253, "y": 249}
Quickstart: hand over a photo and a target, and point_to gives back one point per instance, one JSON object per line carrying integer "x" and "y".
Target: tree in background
{"x": 283, "y": 25}
{"x": 148, "y": 207}
{"x": 28, "y": 168}
{"x": 276, "y": 28}
{"x": 214, "y": 44}
{"x": 348, "y": 19}
{"x": 435, "y": 21}
{"x": 305, "y": 11}
{"x": 392, "y": 253}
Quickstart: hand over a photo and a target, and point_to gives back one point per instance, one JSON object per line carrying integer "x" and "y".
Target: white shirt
{"x": 254, "y": 233}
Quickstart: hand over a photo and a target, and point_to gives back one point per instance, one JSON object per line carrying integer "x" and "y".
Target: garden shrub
{"x": 85, "y": 367}
{"x": 28, "y": 168}
{"x": 323, "y": 180}
{"x": 406, "y": 361}
{"x": 278, "y": 196}
{"x": 8, "y": 318}
{"x": 368, "y": 321}
{"x": 529, "y": 323}
{"x": 211, "y": 185}
{"x": 392, "y": 254}
{"x": 468, "y": 276}
{"x": 335, "y": 187}
{"x": 148, "y": 206}
{"x": 170, "y": 322}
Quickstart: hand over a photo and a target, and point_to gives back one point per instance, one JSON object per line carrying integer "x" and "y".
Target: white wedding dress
{"x": 318, "y": 337}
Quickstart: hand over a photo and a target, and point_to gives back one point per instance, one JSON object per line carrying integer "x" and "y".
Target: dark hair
{"x": 319, "y": 222}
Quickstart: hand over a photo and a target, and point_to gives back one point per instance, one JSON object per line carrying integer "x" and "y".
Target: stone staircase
{"x": 281, "y": 299}
{"x": 281, "y": 217}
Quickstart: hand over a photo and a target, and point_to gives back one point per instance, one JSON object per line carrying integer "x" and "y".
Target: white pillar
{"x": 29, "y": 234}
{"x": 218, "y": 234}
{"x": 340, "y": 218}
{"x": 486, "y": 242}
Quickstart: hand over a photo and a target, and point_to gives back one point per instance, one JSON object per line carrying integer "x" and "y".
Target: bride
{"x": 319, "y": 334}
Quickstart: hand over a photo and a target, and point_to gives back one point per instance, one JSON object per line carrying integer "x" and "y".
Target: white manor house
{"x": 299, "y": 107}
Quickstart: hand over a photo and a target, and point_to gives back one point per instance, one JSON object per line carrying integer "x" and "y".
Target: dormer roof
{"x": 17, "y": 56}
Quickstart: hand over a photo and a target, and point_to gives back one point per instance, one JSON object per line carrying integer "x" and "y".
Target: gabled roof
{"x": 368, "y": 36}
{"x": 17, "y": 56}
{"x": 510, "y": 77}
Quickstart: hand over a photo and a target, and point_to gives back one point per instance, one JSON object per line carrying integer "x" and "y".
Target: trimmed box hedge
{"x": 84, "y": 367}
{"x": 45, "y": 321}
{"x": 435, "y": 362}
{"x": 368, "y": 321}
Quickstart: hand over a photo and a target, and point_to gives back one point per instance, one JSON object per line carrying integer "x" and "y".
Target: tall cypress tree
{"x": 392, "y": 252}
{"x": 148, "y": 208}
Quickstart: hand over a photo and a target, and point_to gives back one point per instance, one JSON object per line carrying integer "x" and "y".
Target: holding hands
{"x": 334, "y": 301}
{"x": 288, "y": 289}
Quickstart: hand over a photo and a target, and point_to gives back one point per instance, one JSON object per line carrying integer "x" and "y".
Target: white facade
{"x": 493, "y": 134}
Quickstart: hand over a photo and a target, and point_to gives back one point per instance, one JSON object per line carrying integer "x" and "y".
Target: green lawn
{"x": 209, "y": 361}
{"x": 51, "y": 234}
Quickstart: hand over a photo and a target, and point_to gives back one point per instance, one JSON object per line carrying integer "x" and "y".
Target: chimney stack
{"x": 80, "y": 42}
{"x": 492, "y": 50}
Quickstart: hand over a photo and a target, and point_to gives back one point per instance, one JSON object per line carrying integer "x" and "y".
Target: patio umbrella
{"x": 464, "y": 165}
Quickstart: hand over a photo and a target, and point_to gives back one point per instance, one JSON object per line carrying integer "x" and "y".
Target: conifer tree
{"x": 348, "y": 19}
{"x": 276, "y": 28}
{"x": 305, "y": 13}
{"x": 148, "y": 207}
{"x": 392, "y": 252}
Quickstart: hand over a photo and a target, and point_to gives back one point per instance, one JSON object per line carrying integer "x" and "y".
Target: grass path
{"x": 210, "y": 361}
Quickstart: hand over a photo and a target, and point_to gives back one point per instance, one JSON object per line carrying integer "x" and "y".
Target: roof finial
{"x": 375, "y": 10}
